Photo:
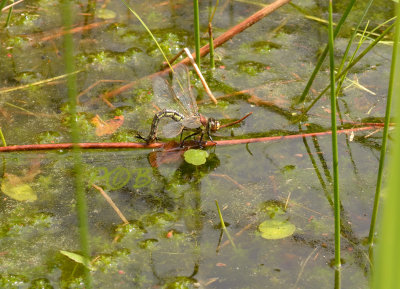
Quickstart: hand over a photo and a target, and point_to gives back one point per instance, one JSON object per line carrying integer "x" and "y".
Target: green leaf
{"x": 14, "y": 187}
{"x": 195, "y": 157}
{"x": 105, "y": 13}
{"x": 78, "y": 259}
{"x": 276, "y": 229}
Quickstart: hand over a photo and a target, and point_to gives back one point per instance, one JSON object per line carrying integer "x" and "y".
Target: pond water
{"x": 174, "y": 237}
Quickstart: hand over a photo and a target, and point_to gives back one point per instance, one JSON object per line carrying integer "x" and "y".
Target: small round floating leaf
{"x": 276, "y": 229}
{"x": 195, "y": 157}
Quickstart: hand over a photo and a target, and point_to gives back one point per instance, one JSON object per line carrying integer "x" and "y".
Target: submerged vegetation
{"x": 266, "y": 211}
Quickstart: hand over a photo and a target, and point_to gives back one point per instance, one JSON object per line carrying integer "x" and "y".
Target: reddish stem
{"x": 62, "y": 146}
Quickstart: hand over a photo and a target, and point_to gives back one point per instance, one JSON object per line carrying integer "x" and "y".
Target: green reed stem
{"x": 350, "y": 65}
{"x": 3, "y": 140}
{"x": 223, "y": 226}
{"x": 336, "y": 196}
{"x": 210, "y": 33}
{"x": 9, "y": 15}
{"x": 196, "y": 30}
{"x": 211, "y": 43}
{"x": 2, "y": 4}
{"x": 75, "y": 137}
{"x": 386, "y": 272}
{"x": 325, "y": 52}
{"x": 385, "y": 136}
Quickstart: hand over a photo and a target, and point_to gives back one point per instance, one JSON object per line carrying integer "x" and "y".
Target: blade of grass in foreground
{"x": 387, "y": 255}
{"x": 336, "y": 196}
{"x": 384, "y": 144}
{"x": 66, "y": 12}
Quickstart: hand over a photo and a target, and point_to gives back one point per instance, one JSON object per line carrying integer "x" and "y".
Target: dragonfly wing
{"x": 172, "y": 129}
{"x": 182, "y": 89}
{"x": 163, "y": 96}
{"x": 191, "y": 122}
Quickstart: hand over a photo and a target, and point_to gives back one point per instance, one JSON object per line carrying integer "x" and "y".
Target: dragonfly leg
{"x": 140, "y": 137}
{"x": 190, "y": 135}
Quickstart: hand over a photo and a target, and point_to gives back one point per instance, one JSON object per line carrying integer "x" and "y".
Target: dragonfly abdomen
{"x": 174, "y": 115}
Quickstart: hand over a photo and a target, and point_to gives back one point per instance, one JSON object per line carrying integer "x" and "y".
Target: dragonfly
{"x": 179, "y": 105}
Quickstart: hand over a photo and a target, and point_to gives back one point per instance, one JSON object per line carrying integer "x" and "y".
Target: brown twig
{"x": 217, "y": 42}
{"x": 244, "y": 229}
{"x": 172, "y": 60}
{"x": 60, "y": 33}
{"x": 94, "y": 85}
{"x": 11, "y": 5}
{"x": 62, "y": 146}
{"x": 111, "y": 202}
{"x": 237, "y": 121}
{"x": 203, "y": 81}
{"x": 229, "y": 178}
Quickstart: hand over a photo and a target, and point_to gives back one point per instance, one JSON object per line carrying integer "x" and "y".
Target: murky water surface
{"x": 174, "y": 237}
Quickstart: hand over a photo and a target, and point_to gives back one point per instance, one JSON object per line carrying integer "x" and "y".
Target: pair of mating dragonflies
{"x": 178, "y": 104}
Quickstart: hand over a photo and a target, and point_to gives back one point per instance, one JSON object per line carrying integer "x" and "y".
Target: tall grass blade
{"x": 196, "y": 21}
{"x": 387, "y": 254}
{"x": 66, "y": 11}
{"x": 350, "y": 65}
{"x": 148, "y": 30}
{"x": 336, "y": 197}
{"x": 325, "y": 52}
{"x": 353, "y": 35}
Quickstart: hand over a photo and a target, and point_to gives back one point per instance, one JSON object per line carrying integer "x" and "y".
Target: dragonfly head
{"x": 213, "y": 124}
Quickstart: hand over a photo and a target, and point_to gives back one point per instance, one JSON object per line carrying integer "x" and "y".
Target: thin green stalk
{"x": 384, "y": 137}
{"x": 336, "y": 196}
{"x": 18, "y": 107}
{"x": 325, "y": 52}
{"x": 6, "y": 90}
{"x": 196, "y": 30}
{"x": 3, "y": 140}
{"x": 75, "y": 137}
{"x": 386, "y": 272}
{"x": 224, "y": 227}
{"x": 2, "y": 4}
{"x": 211, "y": 43}
{"x": 350, "y": 65}
{"x": 210, "y": 33}
{"x": 148, "y": 30}
{"x": 9, "y": 15}
{"x": 363, "y": 37}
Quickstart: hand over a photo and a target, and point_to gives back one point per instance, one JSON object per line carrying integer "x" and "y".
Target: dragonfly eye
{"x": 214, "y": 125}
